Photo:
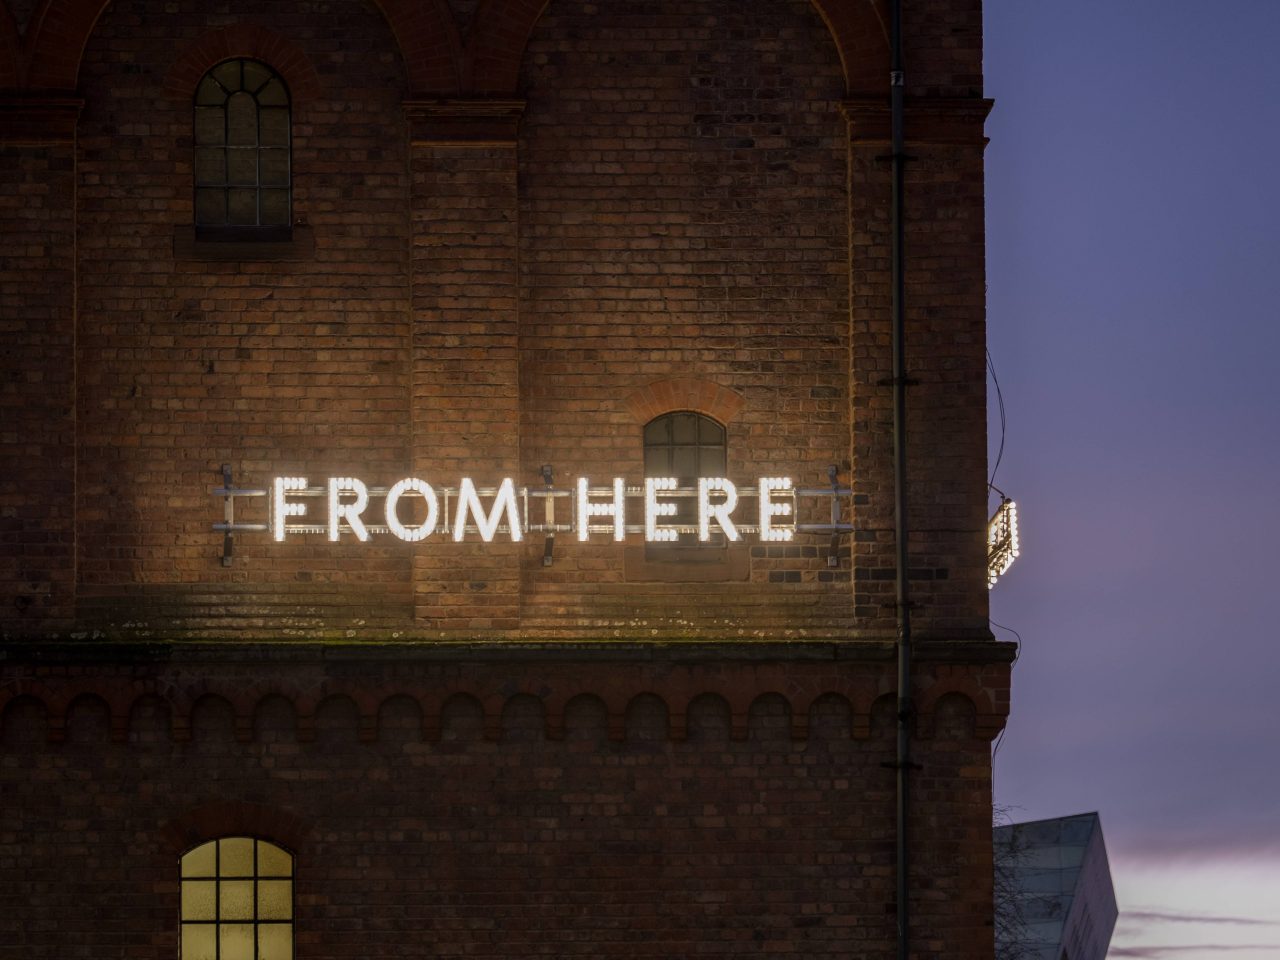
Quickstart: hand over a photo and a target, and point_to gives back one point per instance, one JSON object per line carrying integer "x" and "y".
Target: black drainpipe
{"x": 902, "y": 598}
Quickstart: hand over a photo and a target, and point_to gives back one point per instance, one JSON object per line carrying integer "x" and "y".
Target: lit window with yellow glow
{"x": 237, "y": 901}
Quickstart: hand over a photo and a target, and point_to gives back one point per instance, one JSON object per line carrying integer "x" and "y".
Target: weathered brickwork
{"x": 490, "y": 809}
{"x": 683, "y": 215}
{"x": 481, "y": 283}
{"x": 466, "y": 358}
{"x": 521, "y": 231}
{"x": 946, "y": 409}
{"x": 187, "y": 363}
{"x": 37, "y": 389}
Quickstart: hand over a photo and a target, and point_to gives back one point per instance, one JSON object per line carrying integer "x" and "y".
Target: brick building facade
{"x": 514, "y": 234}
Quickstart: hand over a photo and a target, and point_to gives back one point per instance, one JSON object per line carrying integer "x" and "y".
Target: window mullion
{"x": 234, "y": 219}
{"x": 256, "y": 950}
{"x": 257, "y": 192}
{"x": 217, "y": 901}
{"x": 226, "y": 165}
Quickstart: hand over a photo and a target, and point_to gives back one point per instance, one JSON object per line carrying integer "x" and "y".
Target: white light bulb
{"x": 1002, "y": 541}
{"x": 719, "y": 511}
{"x": 616, "y": 509}
{"x": 770, "y": 508}
{"x": 282, "y": 510}
{"x": 654, "y": 509}
{"x": 350, "y": 511}
{"x": 504, "y": 502}
{"x": 422, "y": 530}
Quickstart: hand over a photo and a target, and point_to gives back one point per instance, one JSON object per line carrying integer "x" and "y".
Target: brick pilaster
{"x": 37, "y": 371}
{"x": 465, "y": 347}
{"x": 945, "y": 338}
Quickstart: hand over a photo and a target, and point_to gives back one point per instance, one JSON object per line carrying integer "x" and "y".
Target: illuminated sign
{"x": 462, "y": 509}
{"x": 413, "y": 510}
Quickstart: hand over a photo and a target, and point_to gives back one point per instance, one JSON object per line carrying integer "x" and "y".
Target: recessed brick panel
{"x": 683, "y": 217}
{"x": 297, "y": 367}
{"x": 37, "y": 386}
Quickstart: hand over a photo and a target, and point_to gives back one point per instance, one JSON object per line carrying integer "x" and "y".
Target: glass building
{"x": 1054, "y": 895}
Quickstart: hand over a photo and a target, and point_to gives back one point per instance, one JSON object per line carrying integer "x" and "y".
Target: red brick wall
{"x": 37, "y": 384}
{"x": 687, "y": 197}
{"x": 683, "y": 214}
{"x": 273, "y": 367}
{"x": 566, "y": 805}
{"x": 689, "y": 212}
{"x": 466, "y": 354}
{"x": 942, "y": 47}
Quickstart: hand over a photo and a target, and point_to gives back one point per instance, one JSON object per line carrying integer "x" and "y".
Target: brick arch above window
{"x": 858, "y": 29}
{"x": 232, "y": 819}
{"x": 426, "y": 35}
{"x": 248, "y": 42}
{"x": 701, "y": 396}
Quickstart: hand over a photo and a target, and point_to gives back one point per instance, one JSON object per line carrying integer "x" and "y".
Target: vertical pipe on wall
{"x": 902, "y": 589}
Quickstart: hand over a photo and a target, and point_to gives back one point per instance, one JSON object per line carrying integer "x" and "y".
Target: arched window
{"x": 237, "y": 901}
{"x": 687, "y": 446}
{"x": 242, "y": 177}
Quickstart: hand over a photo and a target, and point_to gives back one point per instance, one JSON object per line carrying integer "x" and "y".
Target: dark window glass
{"x": 242, "y": 160}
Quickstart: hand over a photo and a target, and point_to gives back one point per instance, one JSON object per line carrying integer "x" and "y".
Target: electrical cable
{"x": 1017, "y": 651}
{"x": 1017, "y": 637}
{"x": 1004, "y": 423}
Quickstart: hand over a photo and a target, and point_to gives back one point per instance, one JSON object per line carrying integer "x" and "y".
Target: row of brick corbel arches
{"x": 948, "y": 710}
{"x": 439, "y": 60}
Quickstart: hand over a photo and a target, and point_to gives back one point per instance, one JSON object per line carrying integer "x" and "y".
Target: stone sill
{"x": 186, "y": 246}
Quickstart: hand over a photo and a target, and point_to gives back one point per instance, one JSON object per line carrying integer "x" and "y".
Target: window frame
{"x": 193, "y": 900}
{"x": 221, "y": 151}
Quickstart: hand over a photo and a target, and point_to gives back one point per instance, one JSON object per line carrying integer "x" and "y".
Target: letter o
{"x": 424, "y": 529}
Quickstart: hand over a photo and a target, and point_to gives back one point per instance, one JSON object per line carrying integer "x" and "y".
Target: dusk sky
{"x": 1133, "y": 186}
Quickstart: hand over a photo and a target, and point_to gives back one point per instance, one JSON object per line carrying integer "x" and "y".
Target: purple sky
{"x": 1133, "y": 208}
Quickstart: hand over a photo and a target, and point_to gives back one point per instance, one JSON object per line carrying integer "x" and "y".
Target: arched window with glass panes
{"x": 242, "y": 162}
{"x": 687, "y": 446}
{"x": 237, "y": 901}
